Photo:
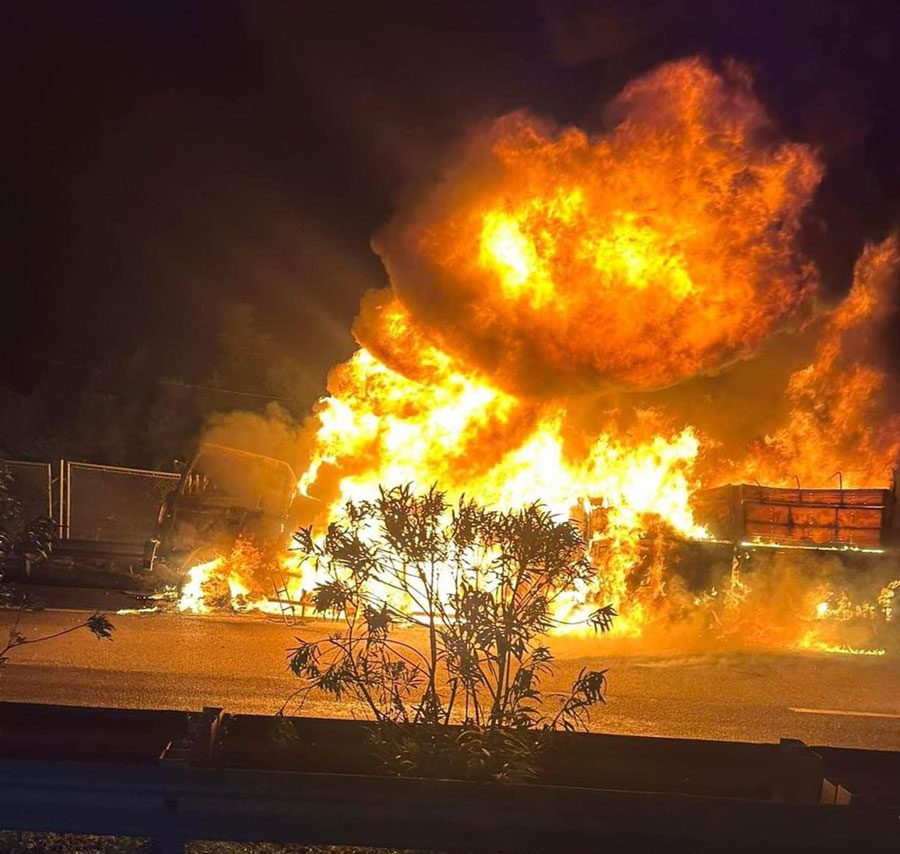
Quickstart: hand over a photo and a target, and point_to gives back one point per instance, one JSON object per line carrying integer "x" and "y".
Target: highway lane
{"x": 186, "y": 662}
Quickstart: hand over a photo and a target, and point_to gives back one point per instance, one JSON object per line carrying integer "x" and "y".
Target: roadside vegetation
{"x": 482, "y": 588}
{"x": 30, "y": 540}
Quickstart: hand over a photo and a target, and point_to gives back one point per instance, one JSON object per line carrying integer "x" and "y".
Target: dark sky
{"x": 161, "y": 156}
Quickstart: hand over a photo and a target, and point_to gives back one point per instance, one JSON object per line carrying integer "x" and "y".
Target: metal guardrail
{"x": 178, "y": 804}
{"x": 179, "y": 797}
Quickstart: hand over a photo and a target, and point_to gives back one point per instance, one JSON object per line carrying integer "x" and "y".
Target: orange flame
{"x": 227, "y": 582}
{"x": 550, "y": 259}
{"x": 840, "y": 416}
{"x": 638, "y": 258}
{"x": 552, "y": 279}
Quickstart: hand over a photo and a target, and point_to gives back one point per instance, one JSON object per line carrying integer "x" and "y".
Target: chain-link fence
{"x": 32, "y": 485}
{"x": 112, "y": 503}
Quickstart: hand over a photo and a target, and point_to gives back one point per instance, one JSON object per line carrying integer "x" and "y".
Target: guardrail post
{"x": 799, "y": 774}
{"x": 199, "y": 746}
{"x": 836, "y": 794}
{"x": 205, "y": 732}
{"x": 197, "y": 749}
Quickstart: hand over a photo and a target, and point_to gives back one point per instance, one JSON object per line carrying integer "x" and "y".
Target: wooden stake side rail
{"x": 174, "y": 805}
{"x": 857, "y": 517}
{"x": 878, "y": 498}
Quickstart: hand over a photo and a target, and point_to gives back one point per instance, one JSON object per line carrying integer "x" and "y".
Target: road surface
{"x": 186, "y": 662}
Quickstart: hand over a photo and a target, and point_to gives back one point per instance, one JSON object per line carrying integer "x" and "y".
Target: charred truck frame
{"x": 224, "y": 493}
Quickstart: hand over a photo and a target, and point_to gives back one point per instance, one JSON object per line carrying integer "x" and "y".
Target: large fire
{"x": 553, "y": 262}
{"x": 840, "y": 416}
{"x": 553, "y": 281}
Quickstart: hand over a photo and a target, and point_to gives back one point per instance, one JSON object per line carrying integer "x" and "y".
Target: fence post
{"x": 49, "y": 490}
{"x": 68, "y": 499}
{"x": 62, "y": 488}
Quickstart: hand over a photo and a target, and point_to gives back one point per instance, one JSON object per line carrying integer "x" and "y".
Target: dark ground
{"x": 186, "y": 662}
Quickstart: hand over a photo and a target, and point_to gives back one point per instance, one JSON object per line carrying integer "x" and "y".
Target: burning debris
{"x": 228, "y": 582}
{"x": 554, "y": 303}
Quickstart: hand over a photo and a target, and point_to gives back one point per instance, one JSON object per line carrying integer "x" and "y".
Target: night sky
{"x": 159, "y": 157}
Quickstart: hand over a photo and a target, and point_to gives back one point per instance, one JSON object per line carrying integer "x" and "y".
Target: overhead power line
{"x": 162, "y": 380}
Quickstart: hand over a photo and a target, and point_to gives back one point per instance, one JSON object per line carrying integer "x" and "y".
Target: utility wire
{"x": 161, "y": 380}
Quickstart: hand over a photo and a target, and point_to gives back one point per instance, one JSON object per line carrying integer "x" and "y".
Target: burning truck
{"x": 619, "y": 324}
{"x": 227, "y": 501}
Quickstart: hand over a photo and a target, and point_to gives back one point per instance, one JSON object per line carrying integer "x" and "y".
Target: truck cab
{"x": 223, "y": 493}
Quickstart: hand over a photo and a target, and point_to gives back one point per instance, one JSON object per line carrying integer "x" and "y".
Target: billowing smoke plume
{"x": 274, "y": 434}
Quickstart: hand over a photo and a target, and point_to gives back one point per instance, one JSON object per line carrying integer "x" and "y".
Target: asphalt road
{"x": 186, "y": 662}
